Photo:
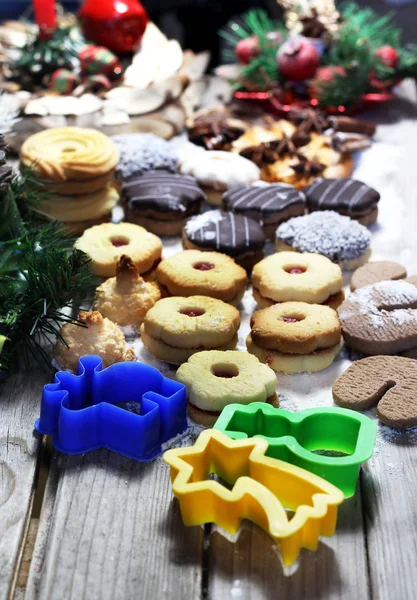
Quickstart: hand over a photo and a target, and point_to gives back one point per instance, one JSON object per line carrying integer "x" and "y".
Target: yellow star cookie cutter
{"x": 262, "y": 489}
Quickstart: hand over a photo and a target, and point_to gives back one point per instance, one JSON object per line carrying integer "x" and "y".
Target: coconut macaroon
{"x": 99, "y": 336}
{"x": 126, "y": 298}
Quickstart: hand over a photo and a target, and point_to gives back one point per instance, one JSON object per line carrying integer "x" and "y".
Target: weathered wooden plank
{"x": 19, "y": 407}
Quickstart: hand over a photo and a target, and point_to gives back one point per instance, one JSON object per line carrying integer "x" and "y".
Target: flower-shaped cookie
{"x": 215, "y": 379}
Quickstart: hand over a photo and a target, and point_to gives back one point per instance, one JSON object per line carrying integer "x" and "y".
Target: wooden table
{"x": 110, "y": 529}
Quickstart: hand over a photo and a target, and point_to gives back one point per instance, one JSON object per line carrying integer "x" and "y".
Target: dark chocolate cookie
{"x": 161, "y": 201}
{"x": 268, "y": 203}
{"x": 345, "y": 196}
{"x": 234, "y": 235}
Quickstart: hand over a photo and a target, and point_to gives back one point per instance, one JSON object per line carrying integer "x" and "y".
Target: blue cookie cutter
{"x": 81, "y": 413}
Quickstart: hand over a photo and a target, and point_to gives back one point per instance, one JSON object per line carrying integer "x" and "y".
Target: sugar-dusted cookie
{"x": 388, "y": 382}
{"x": 381, "y": 318}
{"x": 106, "y": 243}
{"x": 234, "y": 235}
{"x": 177, "y": 327}
{"x": 215, "y": 379}
{"x": 295, "y": 336}
{"x": 217, "y": 171}
{"x": 285, "y": 276}
{"x": 192, "y": 273}
{"x": 372, "y": 272}
{"x": 343, "y": 240}
{"x": 126, "y": 298}
{"x": 346, "y": 197}
{"x": 161, "y": 201}
{"x": 268, "y": 203}
{"x": 98, "y": 336}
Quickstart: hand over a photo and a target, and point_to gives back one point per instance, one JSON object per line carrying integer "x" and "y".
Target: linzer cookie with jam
{"x": 268, "y": 203}
{"x": 235, "y": 235}
{"x": 345, "y": 196}
{"x": 161, "y": 201}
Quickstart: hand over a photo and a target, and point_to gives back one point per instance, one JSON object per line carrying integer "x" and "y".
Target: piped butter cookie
{"x": 304, "y": 277}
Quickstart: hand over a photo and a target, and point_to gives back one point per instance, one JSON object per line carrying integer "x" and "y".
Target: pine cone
{"x": 6, "y": 173}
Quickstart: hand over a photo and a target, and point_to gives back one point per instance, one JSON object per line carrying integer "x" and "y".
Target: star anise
{"x": 215, "y": 135}
{"x": 261, "y": 154}
{"x": 300, "y": 138}
{"x": 307, "y": 167}
{"x": 283, "y": 146}
{"x": 309, "y": 120}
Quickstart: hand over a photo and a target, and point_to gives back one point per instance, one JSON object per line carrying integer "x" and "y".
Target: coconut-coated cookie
{"x": 106, "y": 243}
{"x": 192, "y": 273}
{"x": 99, "y": 336}
{"x": 372, "y": 272}
{"x": 343, "y": 240}
{"x": 177, "y": 327}
{"x": 215, "y": 379}
{"x": 286, "y": 276}
{"x": 235, "y": 235}
{"x": 126, "y": 298}
{"x": 388, "y": 382}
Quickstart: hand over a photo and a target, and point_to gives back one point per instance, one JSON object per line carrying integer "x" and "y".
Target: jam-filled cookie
{"x": 217, "y": 171}
{"x": 106, "y": 243}
{"x": 177, "y": 327}
{"x": 215, "y": 379}
{"x": 286, "y": 276}
{"x": 295, "y": 336}
{"x": 268, "y": 203}
{"x": 346, "y": 197}
{"x": 195, "y": 273}
{"x": 126, "y": 298}
{"x": 99, "y": 336}
{"x": 343, "y": 240}
{"x": 161, "y": 201}
{"x": 234, "y": 235}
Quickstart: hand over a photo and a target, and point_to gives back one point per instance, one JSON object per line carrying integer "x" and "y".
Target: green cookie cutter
{"x": 297, "y": 438}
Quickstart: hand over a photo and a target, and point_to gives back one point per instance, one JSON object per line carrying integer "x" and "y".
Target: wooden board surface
{"x": 110, "y": 528}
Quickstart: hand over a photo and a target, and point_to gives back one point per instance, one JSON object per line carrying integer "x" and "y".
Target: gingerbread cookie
{"x": 305, "y": 277}
{"x": 177, "y": 327}
{"x": 346, "y": 197}
{"x": 372, "y": 272}
{"x": 215, "y": 379}
{"x": 192, "y": 273}
{"x": 234, "y": 235}
{"x": 268, "y": 203}
{"x": 381, "y": 318}
{"x": 343, "y": 240}
{"x": 217, "y": 171}
{"x": 161, "y": 201}
{"x": 295, "y": 336}
{"x": 388, "y": 382}
{"x": 99, "y": 336}
{"x": 106, "y": 243}
{"x": 126, "y": 298}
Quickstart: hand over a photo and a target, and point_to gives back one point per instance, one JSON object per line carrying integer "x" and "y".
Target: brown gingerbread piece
{"x": 388, "y": 382}
{"x": 372, "y": 272}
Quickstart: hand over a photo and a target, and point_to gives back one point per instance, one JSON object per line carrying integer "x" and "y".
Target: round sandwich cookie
{"x": 235, "y": 235}
{"x": 268, "y": 203}
{"x": 161, "y": 201}
{"x": 339, "y": 238}
{"x": 345, "y": 196}
{"x": 380, "y": 270}
{"x": 217, "y": 171}
{"x": 290, "y": 276}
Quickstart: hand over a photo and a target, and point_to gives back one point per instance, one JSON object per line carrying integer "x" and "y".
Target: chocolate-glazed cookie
{"x": 268, "y": 203}
{"x": 345, "y": 196}
{"x": 161, "y": 201}
{"x": 234, "y": 235}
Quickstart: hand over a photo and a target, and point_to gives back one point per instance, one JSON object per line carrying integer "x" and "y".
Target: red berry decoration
{"x": 298, "y": 59}
{"x": 388, "y": 55}
{"x": 116, "y": 24}
{"x": 325, "y": 75}
{"x": 247, "y": 49}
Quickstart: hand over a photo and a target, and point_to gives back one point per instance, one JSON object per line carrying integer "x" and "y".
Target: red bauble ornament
{"x": 116, "y": 24}
{"x": 298, "y": 59}
{"x": 247, "y": 49}
{"x": 388, "y": 55}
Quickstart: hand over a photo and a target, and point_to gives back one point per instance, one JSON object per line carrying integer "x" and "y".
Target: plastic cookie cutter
{"x": 262, "y": 489}
{"x": 86, "y": 411}
{"x": 331, "y": 442}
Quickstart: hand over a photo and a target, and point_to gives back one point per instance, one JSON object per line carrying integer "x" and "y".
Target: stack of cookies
{"x": 77, "y": 167}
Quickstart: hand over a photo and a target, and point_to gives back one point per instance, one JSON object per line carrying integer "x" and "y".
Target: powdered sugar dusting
{"x": 198, "y": 222}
